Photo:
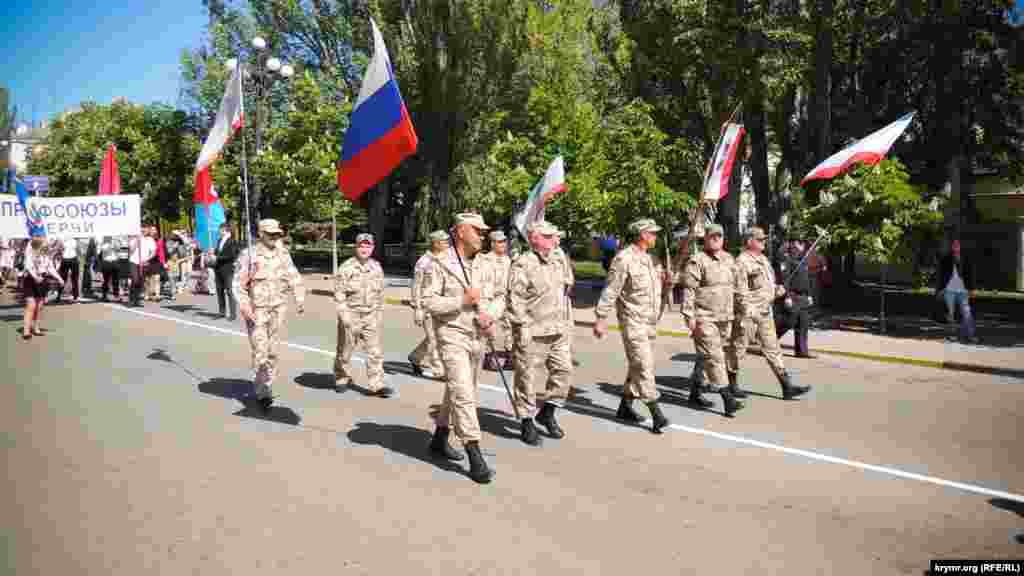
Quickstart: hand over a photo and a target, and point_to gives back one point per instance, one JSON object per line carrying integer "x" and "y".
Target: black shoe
{"x": 790, "y": 390}
{"x": 478, "y": 469}
{"x": 439, "y": 445}
{"x": 232, "y": 318}
{"x": 261, "y": 403}
{"x": 730, "y": 404}
{"x": 658, "y": 420}
{"x": 734, "y": 388}
{"x": 697, "y": 400}
{"x": 546, "y": 418}
{"x": 385, "y": 392}
{"x": 528, "y": 432}
{"x": 627, "y": 413}
{"x": 416, "y": 369}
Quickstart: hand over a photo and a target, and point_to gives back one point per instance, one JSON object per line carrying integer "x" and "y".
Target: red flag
{"x": 110, "y": 178}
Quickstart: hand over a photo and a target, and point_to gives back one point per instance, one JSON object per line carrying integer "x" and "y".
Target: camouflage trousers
{"x": 264, "y": 340}
{"x": 552, "y": 351}
{"x": 638, "y": 339}
{"x": 462, "y": 357}
{"x": 426, "y": 352}
{"x": 745, "y": 331}
{"x": 363, "y": 329}
{"x": 709, "y": 338}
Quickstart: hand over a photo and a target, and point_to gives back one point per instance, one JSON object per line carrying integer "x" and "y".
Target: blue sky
{"x": 66, "y": 52}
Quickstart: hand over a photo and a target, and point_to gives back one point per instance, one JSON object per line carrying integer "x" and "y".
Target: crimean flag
{"x": 110, "y": 177}
{"x": 229, "y": 119}
{"x": 869, "y": 150}
{"x": 380, "y": 134}
{"x": 716, "y": 186}
{"x": 552, "y": 183}
{"x": 209, "y": 211}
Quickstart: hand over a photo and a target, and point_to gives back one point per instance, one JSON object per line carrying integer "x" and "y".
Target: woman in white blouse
{"x": 38, "y": 267}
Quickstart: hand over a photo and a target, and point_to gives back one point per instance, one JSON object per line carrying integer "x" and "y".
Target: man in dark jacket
{"x": 956, "y": 284}
{"x": 224, "y": 271}
{"x": 792, "y": 271}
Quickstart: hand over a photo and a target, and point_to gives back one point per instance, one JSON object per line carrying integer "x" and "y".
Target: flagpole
{"x": 334, "y": 236}
{"x": 245, "y": 164}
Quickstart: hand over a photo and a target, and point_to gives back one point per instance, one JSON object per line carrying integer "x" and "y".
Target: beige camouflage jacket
{"x": 268, "y": 281}
{"x": 711, "y": 285}
{"x": 756, "y": 273}
{"x": 420, "y": 279}
{"x": 538, "y": 300}
{"x": 359, "y": 287}
{"x": 446, "y": 287}
{"x": 633, "y": 287}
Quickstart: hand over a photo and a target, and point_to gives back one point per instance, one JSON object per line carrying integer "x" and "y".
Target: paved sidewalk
{"x": 907, "y": 341}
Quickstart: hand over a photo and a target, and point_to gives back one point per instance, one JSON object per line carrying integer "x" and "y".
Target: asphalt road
{"x": 127, "y": 452}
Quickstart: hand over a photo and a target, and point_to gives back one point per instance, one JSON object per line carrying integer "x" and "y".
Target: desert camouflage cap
{"x": 645, "y": 225}
{"x": 473, "y": 219}
{"x": 498, "y": 236}
{"x": 438, "y": 236}
{"x": 543, "y": 227}
{"x": 270, "y": 226}
{"x": 713, "y": 229}
{"x": 364, "y": 237}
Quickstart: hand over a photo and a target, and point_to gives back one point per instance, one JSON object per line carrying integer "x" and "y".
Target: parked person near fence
{"x": 956, "y": 284}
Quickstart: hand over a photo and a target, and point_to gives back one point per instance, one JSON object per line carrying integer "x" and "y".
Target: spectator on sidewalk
{"x": 110, "y": 267}
{"x": 956, "y": 284}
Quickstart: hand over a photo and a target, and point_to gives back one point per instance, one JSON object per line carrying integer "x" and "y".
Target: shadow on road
{"x": 579, "y": 404}
{"x": 12, "y": 317}
{"x": 230, "y": 388}
{"x": 392, "y": 367}
{"x": 498, "y": 423}
{"x": 1010, "y": 506}
{"x": 182, "y": 308}
{"x": 316, "y": 380}
{"x": 684, "y": 357}
{"x": 279, "y": 414}
{"x": 405, "y": 440}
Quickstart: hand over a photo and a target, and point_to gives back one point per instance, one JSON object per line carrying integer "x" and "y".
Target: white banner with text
{"x": 74, "y": 216}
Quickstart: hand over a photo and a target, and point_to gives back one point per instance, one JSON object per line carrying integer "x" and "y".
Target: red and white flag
{"x": 229, "y": 120}
{"x": 552, "y": 183}
{"x": 717, "y": 184}
{"x": 869, "y": 150}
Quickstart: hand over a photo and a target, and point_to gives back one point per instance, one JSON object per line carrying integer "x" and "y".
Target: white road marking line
{"x": 721, "y": 436}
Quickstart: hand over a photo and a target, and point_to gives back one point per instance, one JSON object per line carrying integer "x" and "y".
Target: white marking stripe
{"x": 737, "y": 439}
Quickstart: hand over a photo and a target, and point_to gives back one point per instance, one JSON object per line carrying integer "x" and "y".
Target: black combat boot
{"x": 730, "y": 404}
{"x": 508, "y": 362}
{"x": 734, "y": 388}
{"x": 696, "y": 399}
{"x": 529, "y": 432}
{"x": 658, "y": 420}
{"x": 439, "y": 445}
{"x": 478, "y": 469}
{"x": 626, "y": 411}
{"x": 790, "y": 390}
{"x": 546, "y": 418}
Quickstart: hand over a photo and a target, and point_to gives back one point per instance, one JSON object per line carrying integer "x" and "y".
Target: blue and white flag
{"x": 33, "y": 219}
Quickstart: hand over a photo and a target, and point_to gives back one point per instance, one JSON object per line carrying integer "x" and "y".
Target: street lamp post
{"x": 266, "y": 71}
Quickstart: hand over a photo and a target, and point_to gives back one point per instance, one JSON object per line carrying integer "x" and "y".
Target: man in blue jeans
{"x": 956, "y": 283}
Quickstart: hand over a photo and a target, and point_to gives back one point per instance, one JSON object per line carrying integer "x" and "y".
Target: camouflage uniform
{"x": 634, "y": 289}
{"x": 711, "y": 287}
{"x": 426, "y": 351}
{"x": 262, "y": 281}
{"x": 538, "y": 306}
{"x": 459, "y": 339}
{"x": 359, "y": 298}
{"x": 756, "y": 273}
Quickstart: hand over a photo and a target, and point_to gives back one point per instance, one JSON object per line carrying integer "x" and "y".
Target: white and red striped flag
{"x": 229, "y": 120}
{"x": 869, "y": 150}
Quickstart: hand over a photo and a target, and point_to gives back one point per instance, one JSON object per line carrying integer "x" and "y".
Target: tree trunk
{"x": 820, "y": 114}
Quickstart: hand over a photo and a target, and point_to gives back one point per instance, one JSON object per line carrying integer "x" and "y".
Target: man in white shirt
{"x": 69, "y": 268}
{"x": 142, "y": 251}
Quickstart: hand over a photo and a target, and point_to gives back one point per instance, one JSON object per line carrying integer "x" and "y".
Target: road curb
{"x": 906, "y": 360}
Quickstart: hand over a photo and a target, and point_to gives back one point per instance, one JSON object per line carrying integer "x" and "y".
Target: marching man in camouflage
{"x": 465, "y": 301}
{"x": 427, "y": 349}
{"x": 359, "y": 297}
{"x": 262, "y": 280}
{"x": 499, "y": 259}
{"x": 634, "y": 290}
{"x": 756, "y": 273}
{"x": 679, "y": 261}
{"x": 538, "y": 307}
{"x": 712, "y": 292}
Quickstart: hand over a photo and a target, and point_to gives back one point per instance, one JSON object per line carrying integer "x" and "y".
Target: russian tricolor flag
{"x": 380, "y": 134}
